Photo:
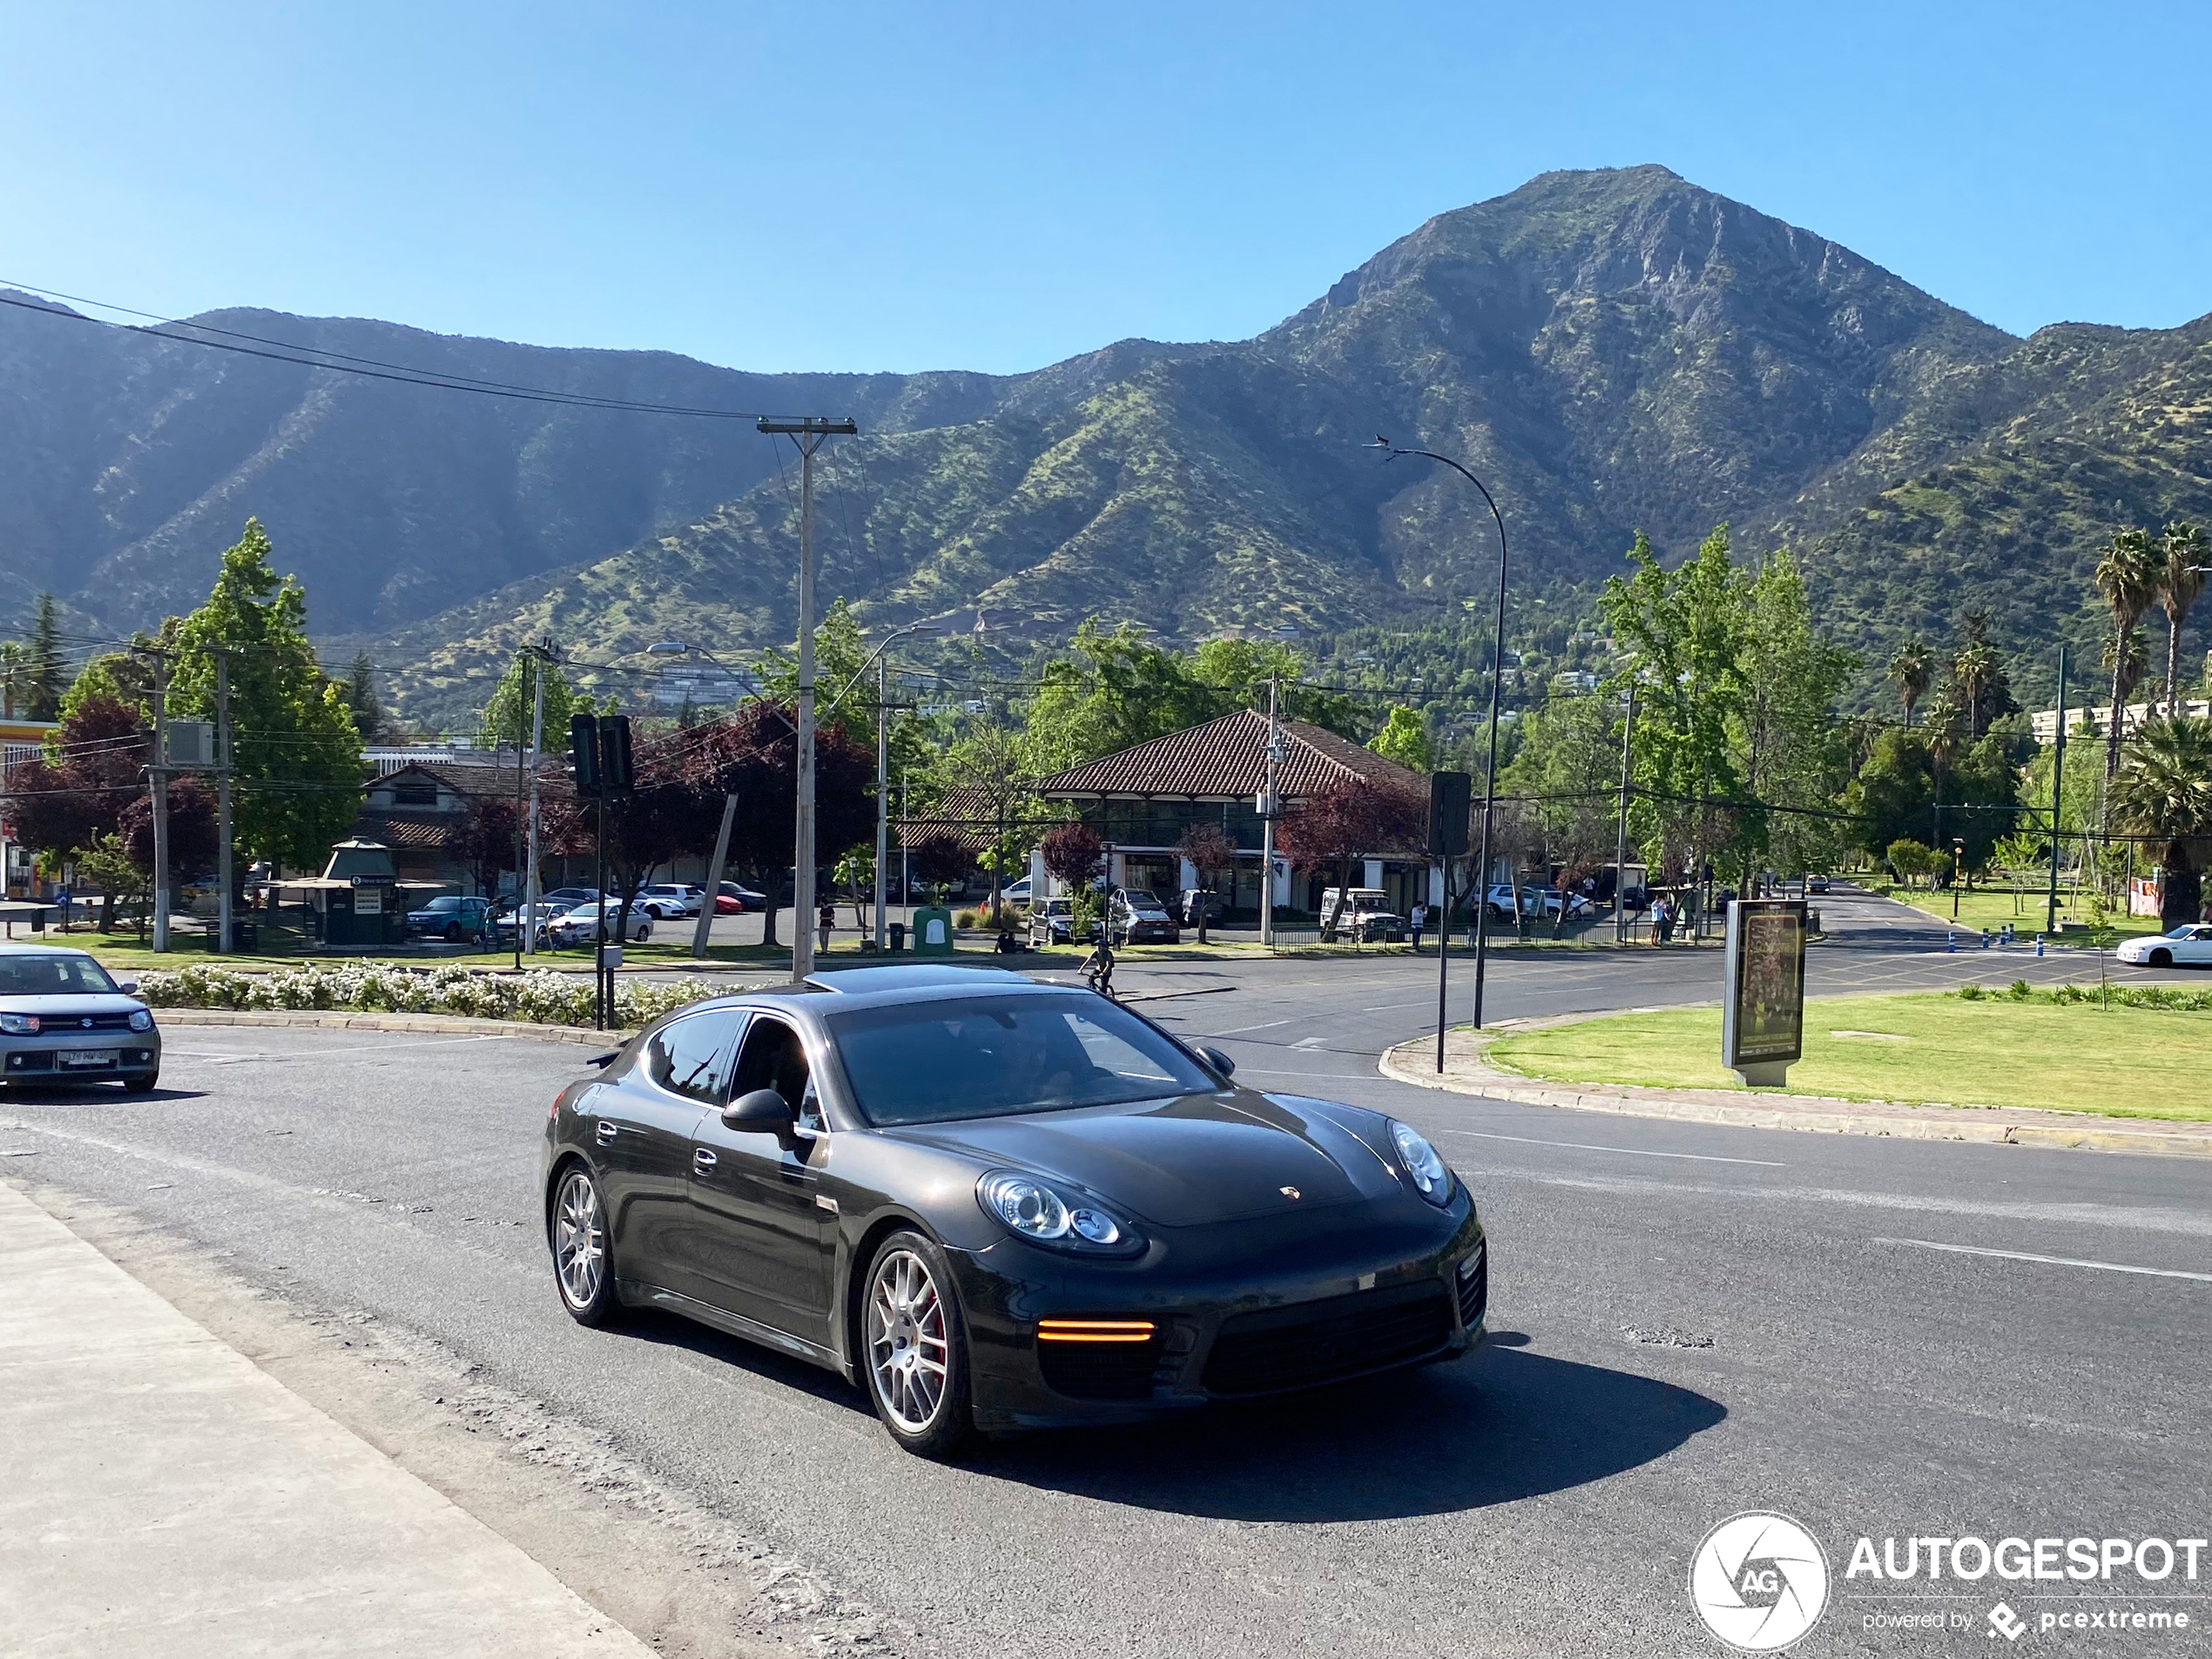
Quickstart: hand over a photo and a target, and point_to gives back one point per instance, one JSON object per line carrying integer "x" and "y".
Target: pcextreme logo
{"x": 1759, "y": 1580}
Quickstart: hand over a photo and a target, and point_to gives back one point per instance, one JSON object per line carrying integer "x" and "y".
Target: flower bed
{"x": 540, "y": 997}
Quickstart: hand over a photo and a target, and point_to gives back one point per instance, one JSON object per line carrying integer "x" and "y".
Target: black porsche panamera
{"x": 997, "y": 1204}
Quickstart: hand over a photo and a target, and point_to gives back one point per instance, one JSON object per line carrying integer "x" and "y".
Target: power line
{"x": 343, "y": 363}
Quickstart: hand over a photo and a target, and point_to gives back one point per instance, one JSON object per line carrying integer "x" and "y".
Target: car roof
{"x": 31, "y": 947}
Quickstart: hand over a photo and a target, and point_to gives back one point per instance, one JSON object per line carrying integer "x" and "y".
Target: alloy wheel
{"x": 579, "y": 1243}
{"x": 908, "y": 1353}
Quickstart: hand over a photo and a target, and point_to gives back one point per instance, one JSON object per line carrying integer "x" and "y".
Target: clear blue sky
{"x": 857, "y": 186}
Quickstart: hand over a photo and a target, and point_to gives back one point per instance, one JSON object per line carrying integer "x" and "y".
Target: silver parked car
{"x": 64, "y": 1020}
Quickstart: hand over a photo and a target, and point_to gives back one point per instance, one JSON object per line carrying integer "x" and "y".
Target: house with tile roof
{"x": 1142, "y": 800}
{"x": 416, "y": 811}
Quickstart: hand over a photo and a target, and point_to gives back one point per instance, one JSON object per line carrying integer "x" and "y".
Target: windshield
{"x": 444, "y": 904}
{"x": 53, "y": 976}
{"x": 935, "y": 1063}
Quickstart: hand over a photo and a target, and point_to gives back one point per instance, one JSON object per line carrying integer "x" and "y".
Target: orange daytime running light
{"x": 1095, "y": 1330}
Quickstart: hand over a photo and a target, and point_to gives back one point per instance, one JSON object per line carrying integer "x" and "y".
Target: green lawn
{"x": 1991, "y": 907}
{"x": 2125, "y": 1062}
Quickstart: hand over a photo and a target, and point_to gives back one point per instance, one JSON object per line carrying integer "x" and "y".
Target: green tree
{"x": 1795, "y": 758}
{"x": 2186, "y": 552}
{"x": 2128, "y": 575}
{"x": 1893, "y": 797}
{"x": 45, "y": 674}
{"x": 1680, "y": 638}
{"x": 1566, "y": 773}
{"x": 359, "y": 688}
{"x": 2163, "y": 790}
{"x": 1912, "y": 861}
{"x": 1911, "y": 670}
{"x": 1403, "y": 739}
{"x": 511, "y": 709}
{"x": 296, "y": 779}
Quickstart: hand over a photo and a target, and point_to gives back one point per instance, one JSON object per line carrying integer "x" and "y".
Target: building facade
{"x": 1143, "y": 801}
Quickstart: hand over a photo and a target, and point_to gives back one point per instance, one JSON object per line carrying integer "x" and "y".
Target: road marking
{"x": 1631, "y": 1151}
{"x": 367, "y": 1048}
{"x": 1309, "y": 1044}
{"x": 2049, "y": 1261}
{"x": 1266, "y": 1026}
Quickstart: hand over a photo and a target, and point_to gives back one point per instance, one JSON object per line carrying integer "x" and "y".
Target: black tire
{"x": 453, "y": 933}
{"x": 2161, "y": 959}
{"x": 145, "y": 1085}
{"x": 585, "y": 1276}
{"x": 896, "y": 1340}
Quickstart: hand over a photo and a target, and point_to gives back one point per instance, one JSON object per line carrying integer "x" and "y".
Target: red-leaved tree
{"x": 1344, "y": 823}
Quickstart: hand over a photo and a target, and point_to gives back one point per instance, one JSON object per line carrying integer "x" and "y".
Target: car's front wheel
{"x": 2161, "y": 959}
{"x": 914, "y": 1347}
{"x": 582, "y": 1265}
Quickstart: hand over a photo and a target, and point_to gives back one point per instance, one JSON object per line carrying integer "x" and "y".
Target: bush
{"x": 542, "y": 997}
{"x": 967, "y": 918}
{"x": 1970, "y": 993}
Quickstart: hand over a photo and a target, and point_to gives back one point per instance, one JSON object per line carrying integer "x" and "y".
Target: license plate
{"x": 86, "y": 1059}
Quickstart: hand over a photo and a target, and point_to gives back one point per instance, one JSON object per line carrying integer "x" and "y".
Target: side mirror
{"x": 1220, "y": 1062}
{"x": 128, "y": 987}
{"x": 603, "y": 1061}
{"x": 763, "y": 1111}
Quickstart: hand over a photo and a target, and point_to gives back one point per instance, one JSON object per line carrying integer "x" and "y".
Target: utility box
{"x": 192, "y": 743}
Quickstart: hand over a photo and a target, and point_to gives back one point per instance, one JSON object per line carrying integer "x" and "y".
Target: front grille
{"x": 1320, "y": 1342}
{"x": 1474, "y": 1286}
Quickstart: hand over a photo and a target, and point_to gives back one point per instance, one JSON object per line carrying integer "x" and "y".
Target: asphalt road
{"x": 1691, "y": 1322}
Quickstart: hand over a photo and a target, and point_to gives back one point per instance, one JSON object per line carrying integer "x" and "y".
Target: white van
{"x": 1367, "y": 915}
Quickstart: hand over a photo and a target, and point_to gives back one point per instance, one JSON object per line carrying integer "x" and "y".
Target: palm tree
{"x": 1911, "y": 670}
{"x": 2187, "y": 553}
{"x": 2164, "y": 791}
{"x": 2129, "y": 573}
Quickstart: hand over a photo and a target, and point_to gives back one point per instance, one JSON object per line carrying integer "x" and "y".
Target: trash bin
{"x": 245, "y": 936}
{"x": 898, "y": 935}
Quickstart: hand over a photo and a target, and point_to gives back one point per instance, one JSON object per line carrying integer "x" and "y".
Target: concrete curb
{"x": 449, "y": 1025}
{"x": 1466, "y": 1073}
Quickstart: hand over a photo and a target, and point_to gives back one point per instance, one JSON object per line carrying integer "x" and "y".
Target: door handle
{"x": 608, "y": 1131}
{"x": 702, "y": 1161}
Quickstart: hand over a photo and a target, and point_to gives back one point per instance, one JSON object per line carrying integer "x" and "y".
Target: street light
{"x": 1497, "y": 676}
{"x": 1957, "y": 864}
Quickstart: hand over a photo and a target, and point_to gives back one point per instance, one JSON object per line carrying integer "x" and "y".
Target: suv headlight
{"x": 19, "y": 1025}
{"x": 1431, "y": 1176}
{"x": 1044, "y": 1214}
{"x": 141, "y": 1020}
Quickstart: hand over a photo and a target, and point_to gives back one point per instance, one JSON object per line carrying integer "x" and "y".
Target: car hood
{"x": 1184, "y": 1160}
{"x": 71, "y": 1005}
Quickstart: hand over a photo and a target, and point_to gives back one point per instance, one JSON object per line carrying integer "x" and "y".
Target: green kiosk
{"x": 933, "y": 930}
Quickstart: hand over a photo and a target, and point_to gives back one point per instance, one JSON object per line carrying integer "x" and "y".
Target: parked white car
{"x": 584, "y": 925}
{"x": 667, "y": 900}
{"x": 2187, "y": 946}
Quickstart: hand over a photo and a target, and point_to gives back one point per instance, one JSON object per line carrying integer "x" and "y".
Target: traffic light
{"x": 616, "y": 776}
{"x": 584, "y": 753}
{"x": 1449, "y": 794}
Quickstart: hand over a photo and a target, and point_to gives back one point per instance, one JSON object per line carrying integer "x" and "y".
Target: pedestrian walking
{"x": 825, "y": 919}
{"x": 1663, "y": 921}
{"x": 1419, "y": 920}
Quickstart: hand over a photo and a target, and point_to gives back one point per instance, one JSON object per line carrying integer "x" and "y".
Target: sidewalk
{"x": 161, "y": 1495}
{"x": 1466, "y": 1072}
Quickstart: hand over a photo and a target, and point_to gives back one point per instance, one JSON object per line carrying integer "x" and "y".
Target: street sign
{"x": 1763, "y": 1020}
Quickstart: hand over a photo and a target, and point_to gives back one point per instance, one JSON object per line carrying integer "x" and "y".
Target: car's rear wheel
{"x": 914, "y": 1347}
{"x": 582, "y": 1265}
{"x": 2161, "y": 959}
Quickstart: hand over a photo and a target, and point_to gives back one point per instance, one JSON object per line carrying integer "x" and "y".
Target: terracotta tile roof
{"x": 553, "y": 780}
{"x": 1226, "y": 760}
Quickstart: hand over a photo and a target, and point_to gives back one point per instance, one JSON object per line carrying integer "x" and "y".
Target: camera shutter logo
{"x": 1759, "y": 1580}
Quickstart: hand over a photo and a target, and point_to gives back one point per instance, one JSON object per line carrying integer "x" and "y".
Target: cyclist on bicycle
{"x": 1098, "y": 967}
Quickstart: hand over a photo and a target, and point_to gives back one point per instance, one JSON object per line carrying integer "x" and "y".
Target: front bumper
{"x": 46, "y": 1058}
{"x": 1238, "y": 1310}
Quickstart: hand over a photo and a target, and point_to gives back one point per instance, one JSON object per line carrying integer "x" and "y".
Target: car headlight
{"x": 141, "y": 1020}
{"x": 19, "y": 1025}
{"x": 1432, "y": 1176}
{"x": 1043, "y": 1214}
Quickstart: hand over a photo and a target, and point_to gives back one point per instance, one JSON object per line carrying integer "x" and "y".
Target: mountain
{"x": 1608, "y": 350}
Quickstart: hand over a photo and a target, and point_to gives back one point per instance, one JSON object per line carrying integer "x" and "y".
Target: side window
{"x": 690, "y": 1056}
{"x": 774, "y": 1058}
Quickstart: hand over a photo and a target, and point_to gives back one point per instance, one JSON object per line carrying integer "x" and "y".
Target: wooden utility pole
{"x": 1621, "y": 848}
{"x": 808, "y": 436}
{"x": 226, "y": 940}
{"x": 160, "y": 796}
{"x": 1271, "y": 807}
